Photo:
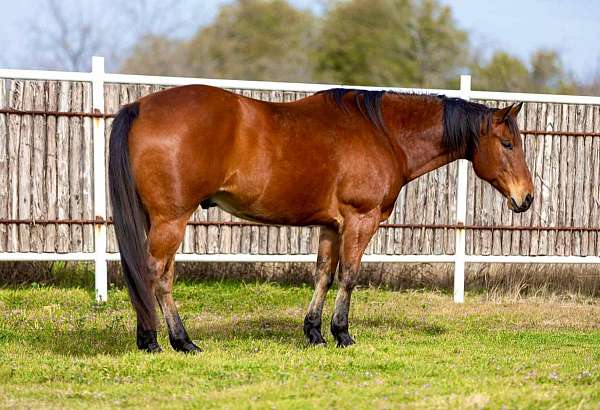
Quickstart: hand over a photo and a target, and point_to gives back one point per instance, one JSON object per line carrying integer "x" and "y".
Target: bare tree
{"x": 68, "y": 39}
{"x": 65, "y": 34}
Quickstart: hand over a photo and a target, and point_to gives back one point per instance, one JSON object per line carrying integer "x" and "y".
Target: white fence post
{"x": 461, "y": 211}
{"x": 100, "y": 263}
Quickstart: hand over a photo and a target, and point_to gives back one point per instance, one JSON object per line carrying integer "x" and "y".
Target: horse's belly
{"x": 284, "y": 208}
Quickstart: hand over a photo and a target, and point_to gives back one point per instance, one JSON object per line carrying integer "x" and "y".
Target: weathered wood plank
{"x": 594, "y": 248}
{"x": 409, "y": 217}
{"x": 545, "y": 176}
{"x": 87, "y": 169}
{"x": 451, "y": 200}
{"x": 586, "y": 146}
{"x": 111, "y": 105}
{"x": 579, "y": 161}
{"x": 75, "y": 171}
{"x": 51, "y": 177}
{"x": 399, "y": 218}
{"x": 38, "y": 197}
{"x": 3, "y": 165}
{"x": 24, "y": 172}
{"x": 212, "y": 240}
{"x": 440, "y": 207}
{"x": 225, "y": 234}
{"x": 14, "y": 130}
{"x": 62, "y": 165}
{"x": 553, "y": 124}
{"x": 562, "y": 246}
{"x": 431, "y": 204}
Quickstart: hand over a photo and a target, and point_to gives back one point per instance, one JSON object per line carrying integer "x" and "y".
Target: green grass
{"x": 415, "y": 350}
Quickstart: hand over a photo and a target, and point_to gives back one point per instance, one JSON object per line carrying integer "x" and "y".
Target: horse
{"x": 336, "y": 159}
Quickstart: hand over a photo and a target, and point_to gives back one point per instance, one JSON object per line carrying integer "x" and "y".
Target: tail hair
{"x": 129, "y": 217}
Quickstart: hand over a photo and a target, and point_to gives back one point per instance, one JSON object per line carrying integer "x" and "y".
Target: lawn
{"x": 414, "y": 349}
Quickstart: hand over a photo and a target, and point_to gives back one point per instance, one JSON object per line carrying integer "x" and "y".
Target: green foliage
{"x": 366, "y": 42}
{"x": 390, "y": 42}
{"x": 58, "y": 349}
{"x": 249, "y": 39}
{"x": 383, "y": 42}
{"x": 411, "y": 43}
{"x": 545, "y": 74}
{"x": 255, "y": 40}
{"x": 159, "y": 56}
{"x": 502, "y": 73}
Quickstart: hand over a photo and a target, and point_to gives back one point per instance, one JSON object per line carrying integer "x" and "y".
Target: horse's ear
{"x": 515, "y": 109}
{"x": 500, "y": 115}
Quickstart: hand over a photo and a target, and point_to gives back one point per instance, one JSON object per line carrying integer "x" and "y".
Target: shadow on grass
{"x": 119, "y": 340}
{"x": 82, "y": 342}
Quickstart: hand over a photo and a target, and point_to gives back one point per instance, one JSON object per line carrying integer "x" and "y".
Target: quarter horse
{"x": 336, "y": 159}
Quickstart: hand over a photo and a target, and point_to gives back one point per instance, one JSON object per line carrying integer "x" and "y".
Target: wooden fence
{"x": 46, "y": 173}
{"x": 52, "y": 183}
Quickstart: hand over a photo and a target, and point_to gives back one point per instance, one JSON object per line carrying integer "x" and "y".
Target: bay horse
{"x": 336, "y": 159}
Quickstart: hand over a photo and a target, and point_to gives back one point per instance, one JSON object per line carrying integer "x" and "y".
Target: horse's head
{"x": 499, "y": 159}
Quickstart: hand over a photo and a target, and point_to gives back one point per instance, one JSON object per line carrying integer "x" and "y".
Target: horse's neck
{"x": 425, "y": 157}
{"x": 420, "y": 144}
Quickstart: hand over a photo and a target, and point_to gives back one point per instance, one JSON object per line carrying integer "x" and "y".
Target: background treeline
{"x": 414, "y": 43}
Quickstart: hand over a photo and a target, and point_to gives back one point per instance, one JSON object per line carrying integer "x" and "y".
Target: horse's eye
{"x": 507, "y": 144}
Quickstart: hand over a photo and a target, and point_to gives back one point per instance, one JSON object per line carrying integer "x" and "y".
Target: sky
{"x": 517, "y": 26}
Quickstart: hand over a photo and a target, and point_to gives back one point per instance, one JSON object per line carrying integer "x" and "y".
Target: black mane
{"x": 462, "y": 124}
{"x": 462, "y": 120}
{"x": 368, "y": 103}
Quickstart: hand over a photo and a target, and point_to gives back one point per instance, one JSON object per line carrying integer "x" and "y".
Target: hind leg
{"x": 178, "y": 336}
{"x": 164, "y": 238}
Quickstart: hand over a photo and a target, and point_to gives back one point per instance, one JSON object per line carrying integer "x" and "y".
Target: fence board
{"x": 75, "y": 172}
{"x": 51, "y": 175}
{"x": 62, "y": 163}
{"x": 3, "y": 165}
{"x": 14, "y": 129}
{"x": 87, "y": 169}
{"x": 111, "y": 105}
{"x": 38, "y": 164}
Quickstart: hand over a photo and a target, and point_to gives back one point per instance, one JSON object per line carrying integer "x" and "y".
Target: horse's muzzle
{"x": 525, "y": 205}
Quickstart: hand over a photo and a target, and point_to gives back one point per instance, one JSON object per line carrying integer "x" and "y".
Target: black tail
{"x": 130, "y": 219}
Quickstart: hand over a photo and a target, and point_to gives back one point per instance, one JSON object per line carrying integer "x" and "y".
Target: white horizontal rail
{"x": 563, "y": 260}
{"x": 286, "y": 86}
{"x": 530, "y": 97}
{"x": 45, "y": 257}
{"x": 45, "y": 75}
{"x": 257, "y": 85}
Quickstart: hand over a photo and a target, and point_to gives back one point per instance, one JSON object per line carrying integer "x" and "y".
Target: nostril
{"x": 528, "y": 199}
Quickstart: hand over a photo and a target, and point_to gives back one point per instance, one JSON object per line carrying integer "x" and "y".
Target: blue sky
{"x": 518, "y": 26}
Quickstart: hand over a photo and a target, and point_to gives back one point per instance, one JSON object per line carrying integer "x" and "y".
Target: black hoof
{"x": 344, "y": 340}
{"x": 340, "y": 332}
{"x": 312, "y": 330}
{"x": 146, "y": 341}
{"x": 185, "y": 346}
{"x": 188, "y": 348}
{"x": 315, "y": 338}
{"x": 153, "y": 348}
